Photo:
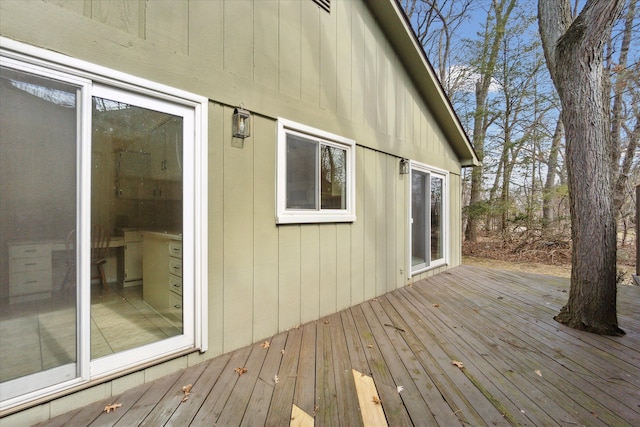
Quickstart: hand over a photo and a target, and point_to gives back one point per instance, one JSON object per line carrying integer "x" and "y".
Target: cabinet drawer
{"x": 175, "y": 266}
{"x": 30, "y": 264}
{"x": 175, "y": 305}
{"x": 30, "y": 251}
{"x": 175, "y": 249}
{"x": 175, "y": 284}
{"x": 30, "y": 282}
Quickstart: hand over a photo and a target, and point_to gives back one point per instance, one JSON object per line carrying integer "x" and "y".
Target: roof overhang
{"x": 397, "y": 28}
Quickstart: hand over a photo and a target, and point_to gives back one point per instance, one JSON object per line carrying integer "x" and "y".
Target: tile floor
{"x": 39, "y": 335}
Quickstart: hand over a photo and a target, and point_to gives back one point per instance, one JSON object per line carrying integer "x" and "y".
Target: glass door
{"x": 427, "y": 219}
{"x": 40, "y": 133}
{"x": 142, "y": 295}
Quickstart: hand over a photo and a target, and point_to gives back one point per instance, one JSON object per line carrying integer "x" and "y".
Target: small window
{"x": 316, "y": 175}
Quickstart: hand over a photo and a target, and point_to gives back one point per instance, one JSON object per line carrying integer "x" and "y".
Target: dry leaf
{"x": 240, "y": 371}
{"x": 265, "y": 344}
{"x": 537, "y": 371}
{"x": 376, "y": 400}
{"x": 282, "y": 351}
{"x": 400, "y": 388}
{"x": 370, "y": 346}
{"x": 436, "y": 305}
{"x": 187, "y": 389}
{"x": 112, "y": 407}
{"x": 184, "y": 399}
{"x": 276, "y": 379}
{"x": 457, "y": 363}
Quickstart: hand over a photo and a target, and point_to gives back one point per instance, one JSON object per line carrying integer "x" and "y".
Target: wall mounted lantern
{"x": 241, "y": 126}
{"x": 404, "y": 166}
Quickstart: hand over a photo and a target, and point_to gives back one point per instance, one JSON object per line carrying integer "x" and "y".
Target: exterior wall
{"x": 289, "y": 59}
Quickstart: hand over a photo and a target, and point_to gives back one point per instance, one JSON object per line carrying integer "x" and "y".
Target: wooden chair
{"x": 100, "y": 239}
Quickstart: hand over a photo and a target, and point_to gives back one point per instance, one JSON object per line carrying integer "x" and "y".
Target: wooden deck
{"x": 520, "y": 366}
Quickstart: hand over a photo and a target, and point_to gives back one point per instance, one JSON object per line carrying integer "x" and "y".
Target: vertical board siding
{"x": 334, "y": 71}
{"x": 265, "y": 239}
{"x": 266, "y": 52}
{"x": 238, "y": 38}
{"x": 310, "y": 273}
{"x": 293, "y": 46}
{"x": 217, "y": 130}
{"x": 328, "y": 269}
{"x": 238, "y": 236}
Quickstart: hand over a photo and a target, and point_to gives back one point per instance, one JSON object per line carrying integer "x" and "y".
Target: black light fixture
{"x": 241, "y": 125}
{"x": 404, "y": 166}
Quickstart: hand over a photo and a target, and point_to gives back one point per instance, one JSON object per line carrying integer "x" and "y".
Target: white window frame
{"x": 94, "y": 78}
{"x": 446, "y": 229}
{"x": 301, "y": 216}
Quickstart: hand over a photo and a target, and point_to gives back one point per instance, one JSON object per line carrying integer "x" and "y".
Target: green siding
{"x": 336, "y": 72}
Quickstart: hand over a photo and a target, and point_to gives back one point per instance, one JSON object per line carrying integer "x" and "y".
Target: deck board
{"x": 520, "y": 366}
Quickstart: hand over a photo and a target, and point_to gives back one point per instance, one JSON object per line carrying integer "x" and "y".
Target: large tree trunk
{"x": 573, "y": 49}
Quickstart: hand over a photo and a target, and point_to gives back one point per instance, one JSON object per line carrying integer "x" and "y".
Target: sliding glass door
{"x": 428, "y": 220}
{"x": 103, "y": 207}
{"x": 40, "y": 134}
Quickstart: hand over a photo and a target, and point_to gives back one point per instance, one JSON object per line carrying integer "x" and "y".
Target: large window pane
{"x": 302, "y": 166}
{"x": 38, "y": 316}
{"x": 139, "y": 152}
{"x": 437, "y": 217}
{"x": 333, "y": 177}
{"x": 419, "y": 185}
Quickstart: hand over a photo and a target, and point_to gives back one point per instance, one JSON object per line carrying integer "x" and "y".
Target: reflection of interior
{"x": 136, "y": 196}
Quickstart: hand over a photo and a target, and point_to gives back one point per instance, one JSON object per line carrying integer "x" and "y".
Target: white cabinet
{"x": 130, "y": 264}
{"x": 162, "y": 273}
{"x": 166, "y": 151}
{"x": 29, "y": 271}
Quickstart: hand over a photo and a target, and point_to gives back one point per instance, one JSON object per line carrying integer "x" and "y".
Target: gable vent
{"x": 324, "y": 4}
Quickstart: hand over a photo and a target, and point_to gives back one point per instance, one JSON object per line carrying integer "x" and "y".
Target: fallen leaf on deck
{"x": 240, "y": 371}
{"x": 537, "y": 371}
{"x": 187, "y": 391}
{"x": 400, "y": 388}
{"x": 276, "y": 379}
{"x": 112, "y": 407}
{"x": 265, "y": 344}
{"x": 457, "y": 363}
{"x": 436, "y": 305}
{"x": 282, "y": 351}
{"x": 376, "y": 400}
{"x": 369, "y": 346}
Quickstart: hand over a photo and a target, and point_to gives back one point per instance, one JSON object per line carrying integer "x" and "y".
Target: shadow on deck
{"x": 520, "y": 367}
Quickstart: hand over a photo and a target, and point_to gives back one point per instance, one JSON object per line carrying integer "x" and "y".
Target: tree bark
{"x": 574, "y": 53}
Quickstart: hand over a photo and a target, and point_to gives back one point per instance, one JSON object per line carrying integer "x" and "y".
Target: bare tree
{"x": 574, "y": 54}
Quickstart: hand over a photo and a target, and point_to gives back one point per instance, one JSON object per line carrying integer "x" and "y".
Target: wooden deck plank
{"x": 394, "y": 410}
{"x": 499, "y": 376}
{"x": 234, "y": 409}
{"x": 348, "y": 402}
{"x": 258, "y": 407}
{"x": 469, "y": 403}
{"x": 327, "y": 412}
{"x": 213, "y": 405}
{"x": 561, "y": 391}
{"x": 280, "y": 410}
{"x": 172, "y": 399}
{"x": 499, "y": 324}
{"x": 149, "y": 399}
{"x": 200, "y": 391}
{"x": 397, "y": 356}
{"x": 305, "y": 387}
